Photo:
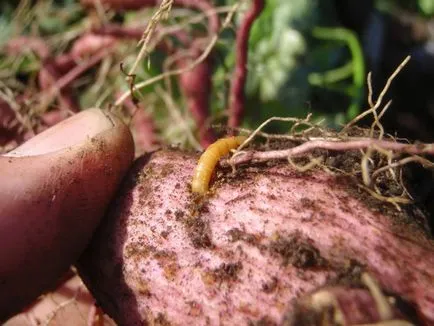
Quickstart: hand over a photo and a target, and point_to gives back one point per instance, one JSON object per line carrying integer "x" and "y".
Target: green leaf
{"x": 426, "y": 7}
{"x": 5, "y": 30}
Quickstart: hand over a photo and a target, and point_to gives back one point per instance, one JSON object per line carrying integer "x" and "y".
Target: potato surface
{"x": 263, "y": 238}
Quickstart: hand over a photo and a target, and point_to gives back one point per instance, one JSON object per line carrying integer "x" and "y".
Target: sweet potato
{"x": 260, "y": 240}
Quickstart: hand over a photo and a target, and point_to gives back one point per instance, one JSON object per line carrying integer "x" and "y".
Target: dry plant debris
{"x": 101, "y": 44}
{"x": 380, "y": 155}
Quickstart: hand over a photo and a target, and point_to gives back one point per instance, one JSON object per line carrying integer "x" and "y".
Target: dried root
{"x": 381, "y": 156}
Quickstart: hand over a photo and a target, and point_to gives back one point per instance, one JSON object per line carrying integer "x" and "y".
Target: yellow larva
{"x": 208, "y": 160}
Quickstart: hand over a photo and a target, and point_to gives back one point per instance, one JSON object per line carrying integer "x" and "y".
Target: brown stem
{"x": 236, "y": 94}
{"x": 196, "y": 84}
{"x": 119, "y": 31}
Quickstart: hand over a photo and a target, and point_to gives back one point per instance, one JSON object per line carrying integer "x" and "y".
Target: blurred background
{"x": 304, "y": 56}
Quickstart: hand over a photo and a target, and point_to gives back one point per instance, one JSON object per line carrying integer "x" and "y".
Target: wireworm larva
{"x": 208, "y": 161}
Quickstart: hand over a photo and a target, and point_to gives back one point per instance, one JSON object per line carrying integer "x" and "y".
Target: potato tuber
{"x": 262, "y": 239}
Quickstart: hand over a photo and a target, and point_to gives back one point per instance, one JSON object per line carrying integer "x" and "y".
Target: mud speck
{"x": 226, "y": 272}
{"x": 168, "y": 261}
{"x": 297, "y": 251}
{"x": 179, "y": 215}
{"x": 161, "y": 320}
{"x": 264, "y": 321}
{"x": 237, "y": 234}
{"x": 199, "y": 232}
{"x": 270, "y": 286}
{"x": 349, "y": 274}
{"x": 138, "y": 250}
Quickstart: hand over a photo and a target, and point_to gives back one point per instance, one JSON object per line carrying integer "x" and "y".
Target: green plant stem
{"x": 357, "y": 62}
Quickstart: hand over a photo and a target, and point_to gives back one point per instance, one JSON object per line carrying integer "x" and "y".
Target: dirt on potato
{"x": 244, "y": 254}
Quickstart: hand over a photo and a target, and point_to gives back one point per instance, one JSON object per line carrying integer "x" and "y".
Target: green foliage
{"x": 5, "y": 30}
{"x": 59, "y": 17}
{"x": 284, "y": 55}
{"x": 355, "y": 68}
{"x": 276, "y": 50}
{"x": 426, "y": 7}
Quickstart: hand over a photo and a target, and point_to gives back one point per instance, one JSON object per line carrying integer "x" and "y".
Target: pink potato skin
{"x": 241, "y": 256}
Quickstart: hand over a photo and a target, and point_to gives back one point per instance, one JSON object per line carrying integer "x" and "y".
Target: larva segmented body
{"x": 208, "y": 161}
